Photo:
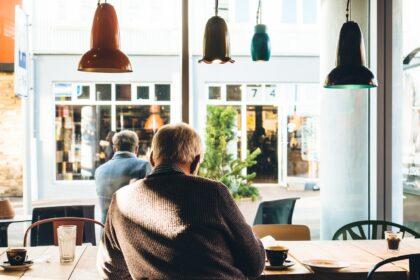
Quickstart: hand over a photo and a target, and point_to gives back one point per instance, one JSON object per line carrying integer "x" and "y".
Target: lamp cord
{"x": 216, "y": 8}
{"x": 347, "y": 10}
{"x": 259, "y": 13}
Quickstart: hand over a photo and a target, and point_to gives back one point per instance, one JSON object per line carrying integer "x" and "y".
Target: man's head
{"x": 177, "y": 144}
{"x": 125, "y": 141}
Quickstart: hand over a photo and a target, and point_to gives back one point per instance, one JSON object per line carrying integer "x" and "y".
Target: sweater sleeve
{"x": 247, "y": 250}
{"x": 110, "y": 260}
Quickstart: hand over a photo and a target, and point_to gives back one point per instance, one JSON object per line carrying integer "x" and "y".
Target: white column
{"x": 344, "y": 129}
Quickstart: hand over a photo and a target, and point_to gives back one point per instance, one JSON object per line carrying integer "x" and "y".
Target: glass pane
{"x": 79, "y": 135}
{"x": 144, "y": 120}
{"x": 302, "y": 156}
{"x": 406, "y": 120}
{"x": 103, "y": 92}
{"x": 262, "y": 133}
{"x": 163, "y": 92}
{"x": 288, "y": 14}
{"x": 215, "y": 93}
{"x": 254, "y": 93}
{"x": 271, "y": 93}
{"x": 242, "y": 11}
{"x": 143, "y": 92}
{"x": 63, "y": 91}
{"x": 123, "y": 92}
{"x": 309, "y": 11}
{"x": 83, "y": 92}
{"x": 233, "y": 93}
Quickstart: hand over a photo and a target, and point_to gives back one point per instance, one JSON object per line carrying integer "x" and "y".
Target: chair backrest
{"x": 362, "y": 230}
{"x": 414, "y": 266}
{"x": 42, "y": 235}
{"x": 56, "y": 222}
{"x": 283, "y": 232}
{"x": 275, "y": 211}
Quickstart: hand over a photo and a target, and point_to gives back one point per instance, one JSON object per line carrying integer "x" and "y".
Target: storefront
{"x": 72, "y": 137}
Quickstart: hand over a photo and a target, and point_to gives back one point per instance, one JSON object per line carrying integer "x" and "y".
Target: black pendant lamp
{"x": 216, "y": 45}
{"x": 105, "y": 55}
{"x": 350, "y": 71}
{"x": 260, "y": 45}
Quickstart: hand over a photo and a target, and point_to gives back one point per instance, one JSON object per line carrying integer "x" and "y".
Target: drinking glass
{"x": 393, "y": 240}
{"x": 67, "y": 242}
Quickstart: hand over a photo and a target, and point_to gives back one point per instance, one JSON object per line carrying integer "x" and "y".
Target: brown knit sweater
{"x": 176, "y": 226}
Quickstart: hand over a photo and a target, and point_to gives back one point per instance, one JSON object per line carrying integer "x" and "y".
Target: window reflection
{"x": 262, "y": 132}
{"x": 123, "y": 92}
{"x": 302, "y": 157}
{"x": 79, "y": 130}
{"x": 144, "y": 120}
{"x": 103, "y": 92}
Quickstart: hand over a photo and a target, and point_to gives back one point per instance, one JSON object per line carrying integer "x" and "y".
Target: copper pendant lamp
{"x": 350, "y": 71}
{"x": 105, "y": 55}
{"x": 216, "y": 45}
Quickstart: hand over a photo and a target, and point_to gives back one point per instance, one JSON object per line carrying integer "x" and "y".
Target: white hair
{"x": 176, "y": 143}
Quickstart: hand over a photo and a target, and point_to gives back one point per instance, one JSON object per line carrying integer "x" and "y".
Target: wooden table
{"x": 361, "y": 255}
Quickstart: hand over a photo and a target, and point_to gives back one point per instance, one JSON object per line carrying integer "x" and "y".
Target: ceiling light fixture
{"x": 260, "y": 45}
{"x": 105, "y": 55}
{"x": 216, "y": 45}
{"x": 350, "y": 71}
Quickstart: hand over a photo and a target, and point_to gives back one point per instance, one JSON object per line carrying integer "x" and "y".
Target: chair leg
{"x": 414, "y": 268}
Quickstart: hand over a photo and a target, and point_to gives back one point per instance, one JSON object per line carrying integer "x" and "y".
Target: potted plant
{"x": 220, "y": 164}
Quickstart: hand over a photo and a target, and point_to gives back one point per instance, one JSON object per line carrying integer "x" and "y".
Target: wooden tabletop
{"x": 361, "y": 255}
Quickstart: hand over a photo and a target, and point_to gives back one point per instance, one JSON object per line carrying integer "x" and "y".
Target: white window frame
{"x": 113, "y": 103}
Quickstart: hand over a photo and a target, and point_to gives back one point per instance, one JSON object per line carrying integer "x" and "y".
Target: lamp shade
{"x": 350, "y": 71}
{"x": 216, "y": 45}
{"x": 105, "y": 55}
{"x": 260, "y": 45}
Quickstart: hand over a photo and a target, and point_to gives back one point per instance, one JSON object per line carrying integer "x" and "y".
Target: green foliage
{"x": 220, "y": 165}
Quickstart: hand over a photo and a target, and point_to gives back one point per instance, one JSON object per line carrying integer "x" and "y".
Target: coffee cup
{"x": 16, "y": 256}
{"x": 276, "y": 255}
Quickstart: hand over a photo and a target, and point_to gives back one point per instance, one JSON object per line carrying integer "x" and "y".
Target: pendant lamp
{"x": 260, "y": 45}
{"x": 154, "y": 121}
{"x": 350, "y": 71}
{"x": 105, "y": 55}
{"x": 216, "y": 45}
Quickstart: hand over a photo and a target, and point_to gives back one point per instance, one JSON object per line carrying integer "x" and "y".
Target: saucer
{"x": 8, "y": 267}
{"x": 286, "y": 265}
{"x": 325, "y": 265}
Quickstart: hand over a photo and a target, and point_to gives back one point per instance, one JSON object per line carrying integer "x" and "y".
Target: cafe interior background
{"x": 347, "y": 154}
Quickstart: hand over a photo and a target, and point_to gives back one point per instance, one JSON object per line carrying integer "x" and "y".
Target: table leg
{"x": 3, "y": 234}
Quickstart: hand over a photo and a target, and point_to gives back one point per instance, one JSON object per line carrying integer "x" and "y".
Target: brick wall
{"x": 11, "y": 139}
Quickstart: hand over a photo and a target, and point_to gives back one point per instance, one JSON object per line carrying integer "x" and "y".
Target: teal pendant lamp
{"x": 216, "y": 45}
{"x": 260, "y": 45}
{"x": 350, "y": 72}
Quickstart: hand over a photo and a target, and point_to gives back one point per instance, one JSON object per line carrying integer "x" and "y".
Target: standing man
{"x": 120, "y": 170}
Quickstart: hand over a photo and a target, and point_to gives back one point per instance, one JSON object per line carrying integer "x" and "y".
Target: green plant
{"x": 221, "y": 165}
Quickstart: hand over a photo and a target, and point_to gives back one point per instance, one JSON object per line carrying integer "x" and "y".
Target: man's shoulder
{"x": 205, "y": 182}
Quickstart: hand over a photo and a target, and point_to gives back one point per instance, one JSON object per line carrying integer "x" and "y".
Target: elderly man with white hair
{"x": 176, "y": 225}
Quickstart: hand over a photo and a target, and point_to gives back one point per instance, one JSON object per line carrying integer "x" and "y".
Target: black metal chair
{"x": 275, "y": 212}
{"x": 414, "y": 266}
{"x": 43, "y": 235}
{"x": 375, "y": 230}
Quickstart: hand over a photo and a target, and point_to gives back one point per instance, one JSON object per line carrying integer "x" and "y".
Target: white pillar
{"x": 344, "y": 129}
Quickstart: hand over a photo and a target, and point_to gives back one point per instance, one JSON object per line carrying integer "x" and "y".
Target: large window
{"x": 87, "y": 116}
{"x": 278, "y": 123}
